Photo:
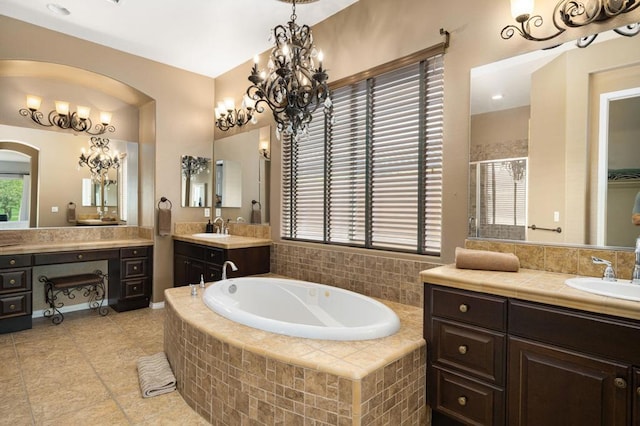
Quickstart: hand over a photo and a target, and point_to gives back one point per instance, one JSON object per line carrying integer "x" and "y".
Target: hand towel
{"x": 256, "y": 216}
{"x": 155, "y": 375}
{"x": 164, "y": 222}
{"x": 486, "y": 260}
{"x": 71, "y": 213}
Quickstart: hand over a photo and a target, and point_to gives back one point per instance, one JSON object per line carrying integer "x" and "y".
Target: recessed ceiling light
{"x": 114, "y": 1}
{"x": 497, "y": 97}
{"x": 58, "y": 10}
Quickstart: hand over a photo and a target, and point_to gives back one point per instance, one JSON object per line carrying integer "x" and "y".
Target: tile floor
{"x": 83, "y": 372}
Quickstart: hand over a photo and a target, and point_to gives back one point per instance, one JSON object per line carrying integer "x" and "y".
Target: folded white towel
{"x": 155, "y": 375}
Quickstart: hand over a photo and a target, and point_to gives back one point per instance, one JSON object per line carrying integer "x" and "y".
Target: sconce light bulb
{"x": 33, "y": 102}
{"x": 256, "y": 59}
{"x": 521, "y": 9}
{"x": 221, "y": 108}
{"x": 83, "y": 112}
{"x": 62, "y": 108}
{"x": 229, "y": 104}
{"x": 105, "y": 118}
{"x": 320, "y": 58}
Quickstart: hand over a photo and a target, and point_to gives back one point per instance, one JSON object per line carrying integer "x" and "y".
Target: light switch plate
{"x": 54, "y": 209}
{"x": 207, "y": 212}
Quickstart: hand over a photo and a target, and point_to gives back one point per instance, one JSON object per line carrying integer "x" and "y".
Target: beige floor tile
{"x": 104, "y": 413}
{"x": 140, "y": 410}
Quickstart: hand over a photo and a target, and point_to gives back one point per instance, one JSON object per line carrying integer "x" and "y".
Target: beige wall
{"x": 178, "y": 120}
{"x": 371, "y": 32}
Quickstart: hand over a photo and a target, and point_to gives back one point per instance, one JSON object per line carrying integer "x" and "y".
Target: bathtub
{"x": 301, "y": 309}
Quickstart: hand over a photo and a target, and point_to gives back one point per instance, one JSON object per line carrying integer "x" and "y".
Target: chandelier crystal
{"x": 98, "y": 160}
{"x": 292, "y": 86}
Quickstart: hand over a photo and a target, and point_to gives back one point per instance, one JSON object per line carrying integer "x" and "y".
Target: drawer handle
{"x": 12, "y": 307}
{"x": 12, "y": 281}
{"x": 620, "y": 383}
{"x": 135, "y": 252}
{"x": 462, "y": 400}
{"x": 638, "y": 390}
{"x": 135, "y": 268}
{"x": 464, "y": 308}
{"x": 135, "y": 288}
{"x": 12, "y": 262}
{"x": 80, "y": 256}
{"x": 463, "y": 349}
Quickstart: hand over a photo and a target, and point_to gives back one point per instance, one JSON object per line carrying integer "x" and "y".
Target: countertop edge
{"x": 531, "y": 285}
{"x": 231, "y": 242}
{"x": 73, "y": 246}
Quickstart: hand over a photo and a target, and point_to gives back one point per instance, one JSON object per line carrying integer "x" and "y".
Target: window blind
{"x": 370, "y": 174}
{"x": 503, "y": 187}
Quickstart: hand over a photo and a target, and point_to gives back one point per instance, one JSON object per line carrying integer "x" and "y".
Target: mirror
{"x": 228, "y": 183}
{"x": 196, "y": 181}
{"x": 92, "y": 193}
{"x": 242, "y": 176}
{"x": 535, "y": 156}
{"x": 56, "y": 180}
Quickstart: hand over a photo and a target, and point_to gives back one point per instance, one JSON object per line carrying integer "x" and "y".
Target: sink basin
{"x": 210, "y": 236}
{"x": 618, "y": 289}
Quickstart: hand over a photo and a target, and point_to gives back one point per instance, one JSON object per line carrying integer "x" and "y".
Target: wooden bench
{"x": 92, "y": 284}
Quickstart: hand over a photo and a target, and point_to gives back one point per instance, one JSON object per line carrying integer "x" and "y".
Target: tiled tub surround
{"x": 233, "y": 374}
{"x": 370, "y": 273}
{"x": 562, "y": 259}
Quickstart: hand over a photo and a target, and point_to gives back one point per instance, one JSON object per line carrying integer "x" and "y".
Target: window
{"x": 370, "y": 175}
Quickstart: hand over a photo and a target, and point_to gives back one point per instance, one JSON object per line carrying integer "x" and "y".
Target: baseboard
{"x": 65, "y": 309}
{"x": 159, "y": 305}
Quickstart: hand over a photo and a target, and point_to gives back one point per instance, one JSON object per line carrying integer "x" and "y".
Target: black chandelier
{"x": 62, "y": 118}
{"x": 227, "y": 116}
{"x": 570, "y": 14}
{"x": 98, "y": 160}
{"x": 292, "y": 87}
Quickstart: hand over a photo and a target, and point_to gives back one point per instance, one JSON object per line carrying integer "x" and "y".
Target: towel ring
{"x": 165, "y": 200}
{"x": 254, "y": 202}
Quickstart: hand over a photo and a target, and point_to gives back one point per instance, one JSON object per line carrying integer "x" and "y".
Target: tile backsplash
{"x": 563, "y": 259}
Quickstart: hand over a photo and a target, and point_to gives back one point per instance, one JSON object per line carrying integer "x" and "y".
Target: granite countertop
{"x": 44, "y": 247}
{"x": 531, "y": 285}
{"x": 228, "y": 242}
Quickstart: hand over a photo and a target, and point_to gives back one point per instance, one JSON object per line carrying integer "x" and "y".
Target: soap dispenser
{"x": 209, "y": 229}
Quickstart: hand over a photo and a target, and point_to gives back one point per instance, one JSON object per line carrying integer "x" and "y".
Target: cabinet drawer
{"x": 471, "y": 308}
{"x": 214, "y": 255}
{"x": 135, "y": 288}
{"x": 15, "y": 260}
{"x": 134, "y": 252}
{"x": 134, "y": 268}
{"x": 468, "y": 401}
{"x": 74, "y": 256}
{"x": 15, "y": 304}
{"x": 476, "y": 351}
{"x": 15, "y": 280}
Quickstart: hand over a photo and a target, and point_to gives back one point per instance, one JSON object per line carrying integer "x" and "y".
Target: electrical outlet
{"x": 54, "y": 209}
{"x": 556, "y": 216}
{"x": 207, "y": 212}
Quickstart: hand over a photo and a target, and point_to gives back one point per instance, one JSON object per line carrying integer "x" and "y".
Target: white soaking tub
{"x": 301, "y": 309}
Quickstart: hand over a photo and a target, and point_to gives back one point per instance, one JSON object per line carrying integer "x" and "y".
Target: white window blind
{"x": 503, "y": 187}
{"x": 371, "y": 174}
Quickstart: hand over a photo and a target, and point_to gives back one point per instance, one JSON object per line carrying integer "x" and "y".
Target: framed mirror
{"x": 197, "y": 177}
{"x": 536, "y": 160}
{"x": 56, "y": 179}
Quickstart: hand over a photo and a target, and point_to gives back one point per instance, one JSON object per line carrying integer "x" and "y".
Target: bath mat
{"x": 156, "y": 377}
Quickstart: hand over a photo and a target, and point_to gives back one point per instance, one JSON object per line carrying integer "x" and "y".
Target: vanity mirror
{"x": 542, "y": 144}
{"x": 242, "y": 175}
{"x": 52, "y": 179}
{"x": 197, "y": 180}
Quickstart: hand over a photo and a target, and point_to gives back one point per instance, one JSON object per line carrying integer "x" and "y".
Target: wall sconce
{"x": 264, "y": 150}
{"x": 227, "y": 116}
{"x": 60, "y": 117}
{"x": 569, "y": 14}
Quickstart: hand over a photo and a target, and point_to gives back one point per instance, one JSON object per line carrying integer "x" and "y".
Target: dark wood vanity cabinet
{"x": 546, "y": 365}
{"x": 15, "y": 293}
{"x": 193, "y": 260}
{"x": 134, "y": 289}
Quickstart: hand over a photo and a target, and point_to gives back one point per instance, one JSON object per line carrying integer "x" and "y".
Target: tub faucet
{"x": 635, "y": 276}
{"x": 224, "y": 268}
{"x": 609, "y": 273}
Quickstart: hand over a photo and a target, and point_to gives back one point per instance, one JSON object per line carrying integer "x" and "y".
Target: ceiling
{"x": 208, "y": 37}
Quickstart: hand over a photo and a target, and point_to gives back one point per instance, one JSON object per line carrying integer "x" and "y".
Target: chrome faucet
{"x": 221, "y": 226}
{"x": 635, "y": 275}
{"x": 609, "y": 273}
{"x": 224, "y": 268}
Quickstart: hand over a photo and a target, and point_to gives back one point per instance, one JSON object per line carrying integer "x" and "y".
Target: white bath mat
{"x": 155, "y": 375}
